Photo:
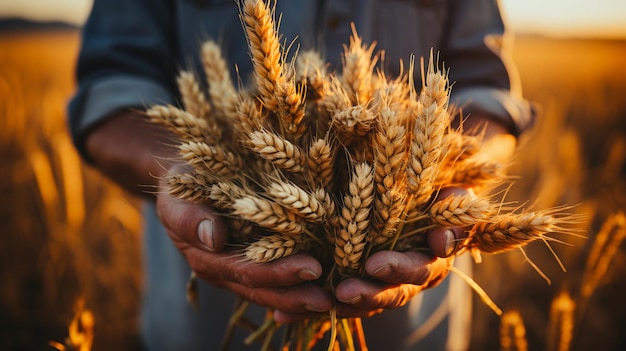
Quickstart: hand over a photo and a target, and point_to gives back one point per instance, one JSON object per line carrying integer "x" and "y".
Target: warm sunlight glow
{"x": 567, "y": 18}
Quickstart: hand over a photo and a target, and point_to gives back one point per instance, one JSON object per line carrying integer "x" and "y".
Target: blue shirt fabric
{"x": 132, "y": 51}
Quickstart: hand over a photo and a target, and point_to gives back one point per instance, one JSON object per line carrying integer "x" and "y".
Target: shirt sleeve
{"x": 125, "y": 61}
{"x": 483, "y": 76}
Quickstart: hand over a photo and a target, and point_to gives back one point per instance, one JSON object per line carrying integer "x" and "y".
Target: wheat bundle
{"x": 338, "y": 165}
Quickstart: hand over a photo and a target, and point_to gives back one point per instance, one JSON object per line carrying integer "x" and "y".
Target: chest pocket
{"x": 408, "y": 27}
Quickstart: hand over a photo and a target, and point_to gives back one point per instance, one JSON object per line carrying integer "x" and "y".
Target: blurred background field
{"x": 68, "y": 233}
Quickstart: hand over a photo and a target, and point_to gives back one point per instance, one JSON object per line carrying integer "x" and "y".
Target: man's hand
{"x": 287, "y": 284}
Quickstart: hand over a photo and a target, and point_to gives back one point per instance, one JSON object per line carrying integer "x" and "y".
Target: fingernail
{"x": 307, "y": 274}
{"x": 205, "y": 233}
{"x": 382, "y": 271}
{"x": 352, "y": 301}
{"x": 450, "y": 242}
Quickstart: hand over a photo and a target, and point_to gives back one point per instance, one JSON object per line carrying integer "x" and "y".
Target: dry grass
{"x": 70, "y": 233}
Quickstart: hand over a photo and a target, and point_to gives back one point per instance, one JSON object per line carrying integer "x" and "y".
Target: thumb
{"x": 194, "y": 224}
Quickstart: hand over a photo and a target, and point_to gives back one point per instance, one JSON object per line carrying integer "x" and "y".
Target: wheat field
{"x": 68, "y": 233}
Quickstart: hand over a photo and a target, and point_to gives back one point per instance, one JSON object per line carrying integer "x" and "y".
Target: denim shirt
{"x": 133, "y": 49}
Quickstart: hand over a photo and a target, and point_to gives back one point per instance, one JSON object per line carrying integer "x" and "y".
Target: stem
{"x": 333, "y": 328}
{"x": 240, "y": 308}
{"x": 360, "y": 333}
{"x": 267, "y": 326}
{"x": 481, "y": 293}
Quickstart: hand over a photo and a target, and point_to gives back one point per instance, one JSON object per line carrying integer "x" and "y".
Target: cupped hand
{"x": 200, "y": 234}
{"x": 394, "y": 278}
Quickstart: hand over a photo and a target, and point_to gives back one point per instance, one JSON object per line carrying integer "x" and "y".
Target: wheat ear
{"x": 195, "y": 187}
{"x": 357, "y": 69}
{"x": 214, "y": 159}
{"x": 297, "y": 200}
{"x": 461, "y": 210}
{"x": 267, "y": 214}
{"x": 221, "y": 89}
{"x": 311, "y": 69}
{"x": 350, "y": 238}
{"x": 194, "y": 100}
{"x": 274, "y": 148}
{"x": 265, "y": 50}
{"x": 431, "y": 123}
{"x": 320, "y": 162}
{"x": 505, "y": 232}
{"x": 184, "y": 124}
{"x": 561, "y": 330}
{"x": 512, "y": 332}
{"x": 272, "y": 247}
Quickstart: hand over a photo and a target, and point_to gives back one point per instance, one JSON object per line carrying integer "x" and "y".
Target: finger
{"x": 195, "y": 224}
{"x": 408, "y": 267}
{"x": 370, "y": 295}
{"x": 226, "y": 267}
{"x": 295, "y": 301}
{"x": 445, "y": 242}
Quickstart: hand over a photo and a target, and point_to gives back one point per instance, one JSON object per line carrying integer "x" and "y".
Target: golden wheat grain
{"x": 297, "y": 200}
{"x": 354, "y": 219}
{"x": 461, "y": 210}
{"x": 267, "y": 214}
{"x": 272, "y": 247}
{"x": 264, "y": 49}
{"x": 193, "y": 97}
{"x": 274, "y": 148}
{"x": 512, "y": 332}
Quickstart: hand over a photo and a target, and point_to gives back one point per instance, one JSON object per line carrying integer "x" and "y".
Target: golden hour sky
{"x": 579, "y": 18}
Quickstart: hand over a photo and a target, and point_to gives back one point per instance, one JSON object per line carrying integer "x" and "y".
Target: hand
{"x": 139, "y": 162}
{"x": 200, "y": 234}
